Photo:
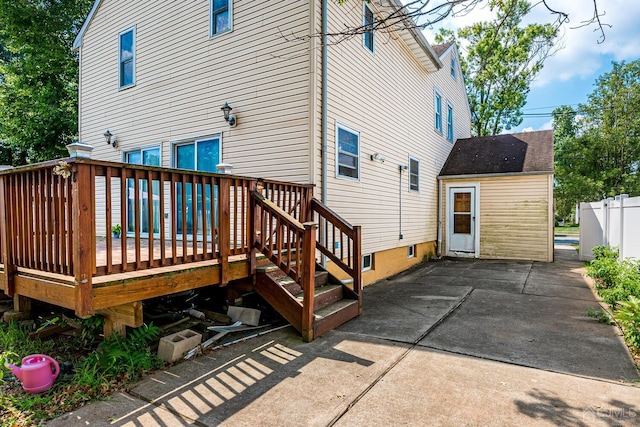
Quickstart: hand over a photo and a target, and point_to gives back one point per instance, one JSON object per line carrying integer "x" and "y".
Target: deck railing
{"x": 340, "y": 242}
{"x": 56, "y": 218}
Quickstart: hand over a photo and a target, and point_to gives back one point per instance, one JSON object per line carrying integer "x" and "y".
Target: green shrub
{"x": 628, "y": 314}
{"x": 605, "y": 268}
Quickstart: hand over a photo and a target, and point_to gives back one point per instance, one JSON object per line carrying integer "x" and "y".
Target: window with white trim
{"x": 449, "y": 122}
{"x": 367, "y": 262}
{"x": 368, "y": 18}
{"x": 414, "y": 174}
{"x": 127, "y": 58}
{"x": 221, "y": 16}
{"x": 438, "y": 111}
{"x": 453, "y": 67}
{"x": 411, "y": 251}
{"x": 348, "y": 153}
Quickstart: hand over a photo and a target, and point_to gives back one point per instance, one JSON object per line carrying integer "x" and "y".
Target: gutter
{"x": 492, "y": 175}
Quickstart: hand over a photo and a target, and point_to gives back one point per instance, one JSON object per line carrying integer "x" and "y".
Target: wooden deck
{"x": 55, "y": 246}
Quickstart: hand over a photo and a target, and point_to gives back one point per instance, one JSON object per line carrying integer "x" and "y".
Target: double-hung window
{"x": 449, "y": 122}
{"x": 127, "y": 58}
{"x": 368, "y": 18}
{"x": 221, "y": 15}
{"x": 438, "y": 111}
{"x": 348, "y": 155}
{"x": 453, "y": 67}
{"x": 414, "y": 174}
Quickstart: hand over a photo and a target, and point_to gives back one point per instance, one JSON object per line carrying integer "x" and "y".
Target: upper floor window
{"x": 449, "y": 122}
{"x": 127, "y": 58}
{"x": 348, "y": 155}
{"x": 454, "y": 69}
{"x": 414, "y": 174}
{"x": 220, "y": 16}
{"x": 367, "y": 23}
{"x": 438, "y": 111}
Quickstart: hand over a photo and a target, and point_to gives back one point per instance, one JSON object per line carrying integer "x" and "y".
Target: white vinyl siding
{"x": 348, "y": 149}
{"x": 437, "y": 111}
{"x": 414, "y": 174}
{"x": 221, "y": 19}
{"x": 127, "y": 58}
{"x": 368, "y": 18}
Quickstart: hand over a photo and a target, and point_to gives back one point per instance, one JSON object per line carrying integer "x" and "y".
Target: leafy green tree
{"x": 39, "y": 74}
{"x": 597, "y": 146}
{"x": 501, "y": 59}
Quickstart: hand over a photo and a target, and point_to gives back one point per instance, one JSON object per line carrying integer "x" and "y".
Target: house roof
{"x": 411, "y": 36}
{"x": 526, "y": 152}
{"x": 440, "y": 49}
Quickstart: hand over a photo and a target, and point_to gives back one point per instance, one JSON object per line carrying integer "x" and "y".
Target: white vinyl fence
{"x": 613, "y": 222}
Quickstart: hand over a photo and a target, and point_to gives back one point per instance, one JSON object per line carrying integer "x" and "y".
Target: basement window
{"x": 367, "y": 262}
{"x": 411, "y": 251}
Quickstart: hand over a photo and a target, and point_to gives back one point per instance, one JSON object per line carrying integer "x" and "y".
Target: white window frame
{"x": 454, "y": 67}
{"x": 437, "y": 96}
{"x": 133, "y": 43}
{"x": 365, "y": 8}
{"x": 450, "y": 123}
{"x": 141, "y": 149}
{"x": 411, "y": 251}
{"x": 370, "y": 267}
{"x": 337, "y": 165}
{"x": 416, "y": 160}
{"x": 211, "y": 20}
{"x": 194, "y": 140}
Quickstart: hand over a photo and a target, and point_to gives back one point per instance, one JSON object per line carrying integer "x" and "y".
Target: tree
{"x": 393, "y": 15}
{"x": 597, "y": 146}
{"x": 39, "y": 74}
{"x": 500, "y": 62}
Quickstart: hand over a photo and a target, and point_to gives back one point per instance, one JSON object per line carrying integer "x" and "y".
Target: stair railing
{"x": 290, "y": 245}
{"x": 340, "y": 242}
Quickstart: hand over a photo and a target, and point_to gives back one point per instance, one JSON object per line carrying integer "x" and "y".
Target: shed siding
{"x": 515, "y": 215}
{"x": 388, "y": 97}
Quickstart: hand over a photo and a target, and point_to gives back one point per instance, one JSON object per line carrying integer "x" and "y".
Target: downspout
{"x": 439, "y": 204}
{"x": 401, "y": 168}
{"x": 324, "y": 108}
{"x": 324, "y": 116}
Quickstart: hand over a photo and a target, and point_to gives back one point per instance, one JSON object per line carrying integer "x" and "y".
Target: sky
{"x": 569, "y": 76}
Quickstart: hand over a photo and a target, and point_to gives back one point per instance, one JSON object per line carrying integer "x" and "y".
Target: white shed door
{"x": 462, "y": 218}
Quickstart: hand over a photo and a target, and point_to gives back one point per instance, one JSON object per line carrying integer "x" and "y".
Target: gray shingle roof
{"x": 524, "y": 152}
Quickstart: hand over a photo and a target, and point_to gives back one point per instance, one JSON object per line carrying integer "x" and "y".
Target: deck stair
{"x": 333, "y": 303}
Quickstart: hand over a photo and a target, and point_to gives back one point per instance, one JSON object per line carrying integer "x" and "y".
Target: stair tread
{"x": 334, "y": 308}
{"x": 319, "y": 290}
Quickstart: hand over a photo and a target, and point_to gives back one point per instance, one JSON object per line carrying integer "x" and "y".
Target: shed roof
{"x": 526, "y": 152}
{"x": 439, "y": 49}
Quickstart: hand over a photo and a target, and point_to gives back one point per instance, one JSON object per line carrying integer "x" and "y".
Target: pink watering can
{"x": 35, "y": 372}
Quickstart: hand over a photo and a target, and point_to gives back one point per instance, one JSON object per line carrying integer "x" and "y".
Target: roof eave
{"x": 418, "y": 44}
{"x": 77, "y": 43}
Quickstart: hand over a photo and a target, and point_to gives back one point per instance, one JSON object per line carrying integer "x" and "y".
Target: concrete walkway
{"x": 450, "y": 343}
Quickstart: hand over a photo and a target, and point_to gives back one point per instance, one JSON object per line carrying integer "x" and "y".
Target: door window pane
{"x": 462, "y": 202}
{"x": 462, "y": 223}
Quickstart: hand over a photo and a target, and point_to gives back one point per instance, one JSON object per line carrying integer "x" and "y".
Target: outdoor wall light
{"x": 111, "y": 139}
{"x": 377, "y": 157}
{"x": 229, "y": 118}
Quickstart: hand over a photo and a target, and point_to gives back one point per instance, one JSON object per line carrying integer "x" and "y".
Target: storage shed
{"x": 497, "y": 198}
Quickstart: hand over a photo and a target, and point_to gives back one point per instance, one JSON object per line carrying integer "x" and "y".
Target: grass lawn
{"x": 568, "y": 229}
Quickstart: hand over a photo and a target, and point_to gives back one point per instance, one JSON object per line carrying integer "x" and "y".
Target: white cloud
{"x": 582, "y": 55}
{"x": 529, "y": 129}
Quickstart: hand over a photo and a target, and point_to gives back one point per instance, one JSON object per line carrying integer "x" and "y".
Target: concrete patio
{"x": 449, "y": 343}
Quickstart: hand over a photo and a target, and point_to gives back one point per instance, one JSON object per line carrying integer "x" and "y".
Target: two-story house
{"x": 369, "y": 120}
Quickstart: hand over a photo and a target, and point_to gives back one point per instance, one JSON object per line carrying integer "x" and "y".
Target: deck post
{"x": 5, "y": 239}
{"x": 224, "y": 229}
{"x": 252, "y": 224}
{"x": 308, "y": 279}
{"x": 357, "y": 265}
{"x": 83, "y": 213}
